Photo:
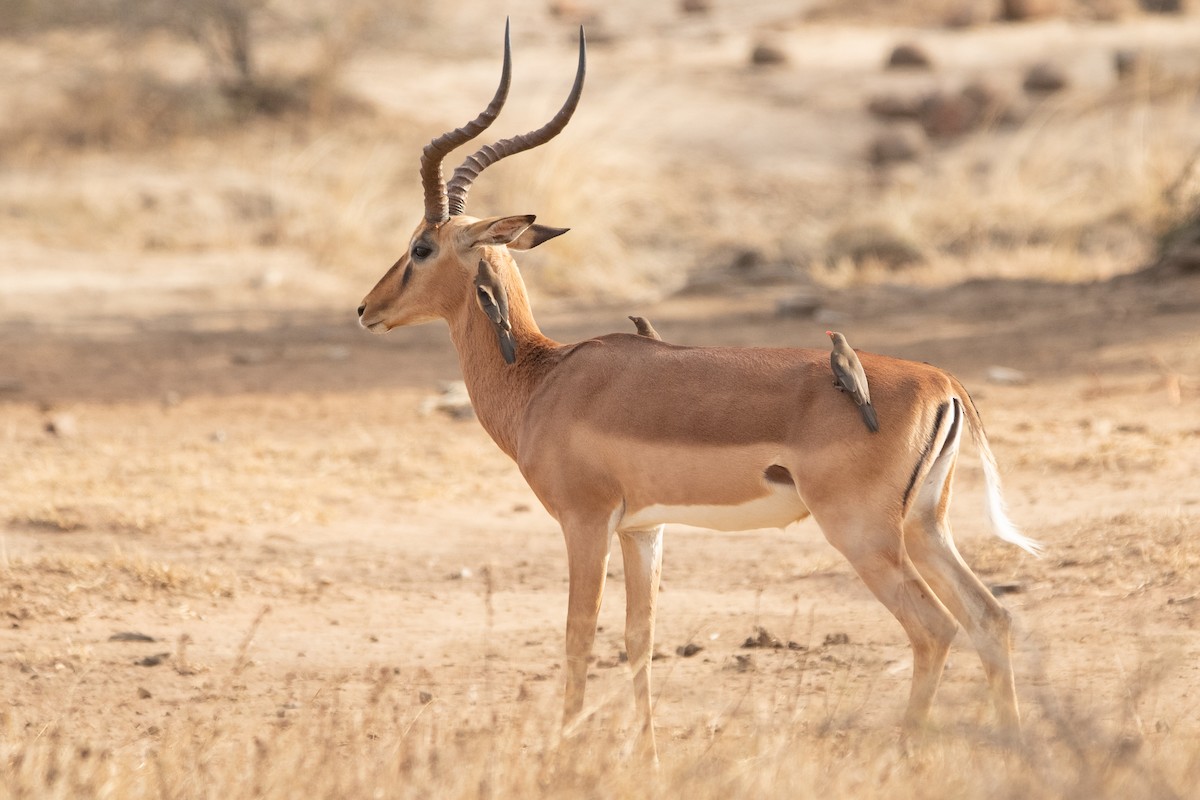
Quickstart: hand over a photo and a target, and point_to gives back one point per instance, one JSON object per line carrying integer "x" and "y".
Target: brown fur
{"x": 604, "y": 428}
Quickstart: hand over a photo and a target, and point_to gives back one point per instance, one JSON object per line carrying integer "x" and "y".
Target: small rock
{"x": 908, "y": 56}
{"x": 948, "y": 115}
{"x": 425, "y": 697}
{"x": 1020, "y": 10}
{"x": 695, "y": 6}
{"x": 798, "y": 305}
{"x": 836, "y": 638}
{"x": 688, "y": 650}
{"x": 765, "y": 54}
{"x": 143, "y": 693}
{"x": 61, "y": 425}
{"x": 131, "y": 636}
{"x": 894, "y": 106}
{"x": 453, "y": 400}
{"x": 153, "y": 661}
{"x": 1161, "y": 6}
{"x": 896, "y": 146}
{"x": 743, "y": 662}
{"x": 1127, "y": 63}
{"x": 1005, "y": 376}
{"x": 1001, "y": 589}
{"x": 461, "y": 574}
{"x": 1044, "y": 78}
{"x": 250, "y": 356}
{"x": 763, "y": 638}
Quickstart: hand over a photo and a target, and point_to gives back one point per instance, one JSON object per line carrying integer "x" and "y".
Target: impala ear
{"x": 493, "y": 300}
{"x": 535, "y": 235}
{"x": 497, "y": 230}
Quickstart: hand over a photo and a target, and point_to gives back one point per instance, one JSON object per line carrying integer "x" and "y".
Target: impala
{"x": 625, "y": 433}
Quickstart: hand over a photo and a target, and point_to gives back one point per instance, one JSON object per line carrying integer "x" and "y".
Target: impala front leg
{"x": 642, "y": 554}
{"x": 587, "y": 562}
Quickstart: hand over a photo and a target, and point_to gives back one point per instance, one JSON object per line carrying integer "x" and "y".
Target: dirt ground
{"x": 294, "y": 521}
{"x": 221, "y": 499}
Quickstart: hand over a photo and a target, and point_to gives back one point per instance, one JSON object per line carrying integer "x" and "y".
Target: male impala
{"x": 624, "y": 433}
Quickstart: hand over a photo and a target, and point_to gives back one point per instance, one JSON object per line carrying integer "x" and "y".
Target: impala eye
{"x": 421, "y": 251}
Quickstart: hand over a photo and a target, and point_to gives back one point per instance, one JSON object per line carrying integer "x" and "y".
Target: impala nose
{"x": 361, "y": 309}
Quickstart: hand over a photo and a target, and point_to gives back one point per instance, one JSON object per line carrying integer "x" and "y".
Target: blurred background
{"x": 251, "y": 154}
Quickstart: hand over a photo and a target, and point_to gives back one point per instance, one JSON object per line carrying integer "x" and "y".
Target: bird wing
{"x": 847, "y": 376}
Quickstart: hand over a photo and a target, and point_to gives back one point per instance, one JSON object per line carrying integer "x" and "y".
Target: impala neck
{"x": 500, "y": 391}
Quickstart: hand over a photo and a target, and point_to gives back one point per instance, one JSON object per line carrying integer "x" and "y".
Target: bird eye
{"x": 421, "y": 251}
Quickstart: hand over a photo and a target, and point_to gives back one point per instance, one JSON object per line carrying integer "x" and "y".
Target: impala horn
{"x": 436, "y": 208}
{"x": 489, "y": 154}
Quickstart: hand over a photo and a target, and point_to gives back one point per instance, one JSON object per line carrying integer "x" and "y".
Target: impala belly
{"x": 718, "y": 487}
{"x": 777, "y": 508}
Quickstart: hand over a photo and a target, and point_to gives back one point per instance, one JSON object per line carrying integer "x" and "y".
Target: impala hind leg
{"x": 928, "y": 541}
{"x": 986, "y": 621}
{"x": 587, "y": 563}
{"x": 876, "y": 551}
{"x": 642, "y": 554}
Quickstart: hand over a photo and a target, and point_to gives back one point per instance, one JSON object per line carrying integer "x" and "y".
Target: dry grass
{"x": 376, "y": 735}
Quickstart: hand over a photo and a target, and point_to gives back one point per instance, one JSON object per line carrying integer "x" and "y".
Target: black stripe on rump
{"x": 912, "y": 481}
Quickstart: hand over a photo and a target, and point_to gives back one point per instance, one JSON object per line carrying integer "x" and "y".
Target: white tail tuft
{"x": 997, "y": 511}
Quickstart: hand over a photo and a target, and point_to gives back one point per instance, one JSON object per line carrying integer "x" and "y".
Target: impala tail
{"x": 997, "y": 509}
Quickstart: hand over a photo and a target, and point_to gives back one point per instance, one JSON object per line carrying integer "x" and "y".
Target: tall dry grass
{"x": 377, "y": 736}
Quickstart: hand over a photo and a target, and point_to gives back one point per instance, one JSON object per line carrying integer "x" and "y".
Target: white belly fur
{"x": 778, "y": 509}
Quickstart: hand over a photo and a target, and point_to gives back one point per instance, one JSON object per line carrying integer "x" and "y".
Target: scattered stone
{"x": 250, "y": 356}
{"x": 461, "y": 574}
{"x": 946, "y": 115}
{"x": 893, "y": 106}
{"x": 1161, "y": 6}
{"x": 425, "y": 697}
{"x": 1021, "y": 10}
{"x": 695, "y": 6}
{"x": 143, "y": 693}
{"x": 62, "y": 425}
{"x": 896, "y": 146}
{"x": 765, "y": 640}
{"x": 1001, "y": 589}
{"x": 688, "y": 650}
{"x": 803, "y": 304}
{"x": 743, "y": 662}
{"x": 453, "y": 400}
{"x": 521, "y": 508}
{"x": 154, "y": 660}
{"x": 659, "y": 656}
{"x": 1006, "y": 376}
{"x": 762, "y": 638}
{"x": 865, "y": 243}
{"x": 1127, "y": 63}
{"x": 766, "y": 54}
{"x": 1044, "y": 78}
{"x": 836, "y": 638}
{"x": 131, "y": 636}
{"x": 908, "y": 56}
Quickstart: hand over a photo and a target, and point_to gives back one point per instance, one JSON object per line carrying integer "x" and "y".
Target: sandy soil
{"x": 199, "y": 446}
{"x": 298, "y": 523}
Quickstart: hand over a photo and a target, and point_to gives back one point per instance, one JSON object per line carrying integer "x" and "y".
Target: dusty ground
{"x": 199, "y": 446}
{"x": 294, "y": 522}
